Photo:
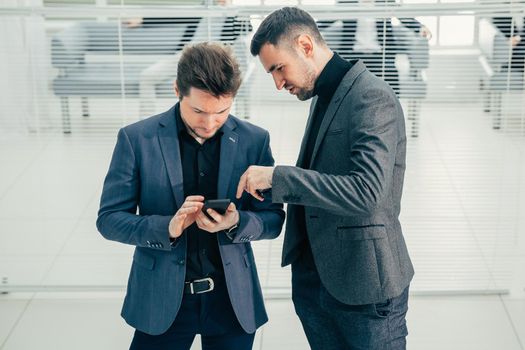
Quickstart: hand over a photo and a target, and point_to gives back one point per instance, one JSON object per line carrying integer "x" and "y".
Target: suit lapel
{"x": 306, "y": 132}
{"x": 229, "y": 145}
{"x": 335, "y": 103}
{"x": 169, "y": 145}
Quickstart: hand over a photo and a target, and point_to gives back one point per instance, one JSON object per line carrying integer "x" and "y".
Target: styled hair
{"x": 210, "y": 67}
{"x": 284, "y": 24}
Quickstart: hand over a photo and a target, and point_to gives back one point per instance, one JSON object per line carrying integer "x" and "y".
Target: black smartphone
{"x": 219, "y": 205}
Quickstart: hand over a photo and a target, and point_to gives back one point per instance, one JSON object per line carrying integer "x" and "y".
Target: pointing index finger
{"x": 241, "y": 186}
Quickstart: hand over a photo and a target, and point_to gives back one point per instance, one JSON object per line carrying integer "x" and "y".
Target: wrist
{"x": 236, "y": 221}
{"x": 270, "y": 177}
{"x": 173, "y": 231}
{"x": 232, "y": 230}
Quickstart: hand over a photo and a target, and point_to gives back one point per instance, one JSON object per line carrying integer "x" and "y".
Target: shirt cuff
{"x": 232, "y": 231}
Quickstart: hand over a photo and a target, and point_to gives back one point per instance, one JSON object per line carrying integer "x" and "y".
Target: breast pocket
{"x": 353, "y": 233}
{"x": 336, "y": 131}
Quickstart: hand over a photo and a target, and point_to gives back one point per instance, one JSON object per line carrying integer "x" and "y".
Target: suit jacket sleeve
{"x": 374, "y": 136}
{"x": 261, "y": 220}
{"x": 117, "y": 217}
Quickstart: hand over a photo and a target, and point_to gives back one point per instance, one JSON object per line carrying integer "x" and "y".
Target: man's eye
{"x": 197, "y": 111}
{"x": 280, "y": 68}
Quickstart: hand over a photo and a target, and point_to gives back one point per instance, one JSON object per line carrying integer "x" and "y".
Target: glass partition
{"x": 72, "y": 78}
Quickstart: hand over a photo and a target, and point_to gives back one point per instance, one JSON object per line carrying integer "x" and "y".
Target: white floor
{"x": 92, "y": 322}
{"x": 462, "y": 217}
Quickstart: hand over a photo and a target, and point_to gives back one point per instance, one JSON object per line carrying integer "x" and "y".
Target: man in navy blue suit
{"x": 191, "y": 274}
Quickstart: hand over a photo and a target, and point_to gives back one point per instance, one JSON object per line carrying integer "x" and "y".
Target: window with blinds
{"x": 76, "y": 71}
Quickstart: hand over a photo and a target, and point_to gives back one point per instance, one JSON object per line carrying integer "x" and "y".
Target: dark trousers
{"x": 210, "y": 315}
{"x": 330, "y": 324}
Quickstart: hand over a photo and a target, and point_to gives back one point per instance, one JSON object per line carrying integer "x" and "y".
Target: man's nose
{"x": 209, "y": 121}
{"x": 279, "y": 83}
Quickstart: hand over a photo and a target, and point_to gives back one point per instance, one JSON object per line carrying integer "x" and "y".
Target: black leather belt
{"x": 199, "y": 286}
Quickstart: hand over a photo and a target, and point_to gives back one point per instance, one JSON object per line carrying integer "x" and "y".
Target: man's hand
{"x": 186, "y": 215}
{"x": 255, "y": 178}
{"x": 425, "y": 32}
{"x": 219, "y": 222}
{"x": 515, "y": 40}
{"x": 133, "y": 22}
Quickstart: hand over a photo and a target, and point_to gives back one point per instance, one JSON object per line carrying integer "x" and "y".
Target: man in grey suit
{"x": 191, "y": 274}
{"x": 350, "y": 265}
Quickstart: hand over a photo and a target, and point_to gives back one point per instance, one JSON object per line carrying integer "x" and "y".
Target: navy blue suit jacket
{"x": 143, "y": 190}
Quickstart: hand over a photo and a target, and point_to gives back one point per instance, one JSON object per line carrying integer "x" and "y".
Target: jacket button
{"x": 181, "y": 262}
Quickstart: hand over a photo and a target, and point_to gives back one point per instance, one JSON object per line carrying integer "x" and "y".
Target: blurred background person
{"x": 372, "y": 40}
{"x": 513, "y": 29}
{"x": 197, "y": 28}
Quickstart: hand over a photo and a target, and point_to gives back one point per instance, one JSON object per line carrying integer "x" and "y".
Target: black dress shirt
{"x": 200, "y": 171}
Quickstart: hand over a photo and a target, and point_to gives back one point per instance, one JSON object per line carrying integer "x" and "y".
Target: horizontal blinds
{"x": 78, "y": 71}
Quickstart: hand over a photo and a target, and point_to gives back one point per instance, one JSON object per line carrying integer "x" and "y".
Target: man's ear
{"x": 176, "y": 89}
{"x": 305, "y": 44}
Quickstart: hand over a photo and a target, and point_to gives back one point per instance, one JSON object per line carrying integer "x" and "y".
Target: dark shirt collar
{"x": 331, "y": 77}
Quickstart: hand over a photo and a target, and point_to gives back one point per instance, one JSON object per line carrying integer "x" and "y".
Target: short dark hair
{"x": 208, "y": 66}
{"x": 284, "y": 23}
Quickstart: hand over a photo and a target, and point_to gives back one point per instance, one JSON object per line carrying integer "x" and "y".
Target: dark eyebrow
{"x": 219, "y": 112}
{"x": 272, "y": 68}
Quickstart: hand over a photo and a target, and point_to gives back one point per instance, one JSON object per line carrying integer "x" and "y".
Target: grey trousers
{"x": 332, "y": 325}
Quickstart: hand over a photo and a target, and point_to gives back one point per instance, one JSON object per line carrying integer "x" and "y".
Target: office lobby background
{"x": 70, "y": 77}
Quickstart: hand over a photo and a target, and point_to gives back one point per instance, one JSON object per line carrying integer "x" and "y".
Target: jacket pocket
{"x": 383, "y": 309}
{"x": 354, "y": 233}
{"x": 334, "y": 132}
{"x": 144, "y": 260}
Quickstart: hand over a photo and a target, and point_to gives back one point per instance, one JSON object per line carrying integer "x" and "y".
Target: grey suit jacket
{"x": 146, "y": 174}
{"x": 352, "y": 193}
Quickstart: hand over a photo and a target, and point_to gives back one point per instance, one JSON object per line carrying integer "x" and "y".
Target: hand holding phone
{"x": 223, "y": 217}
{"x": 219, "y": 205}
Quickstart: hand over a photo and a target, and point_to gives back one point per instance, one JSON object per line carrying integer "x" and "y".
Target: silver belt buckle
{"x": 211, "y": 285}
